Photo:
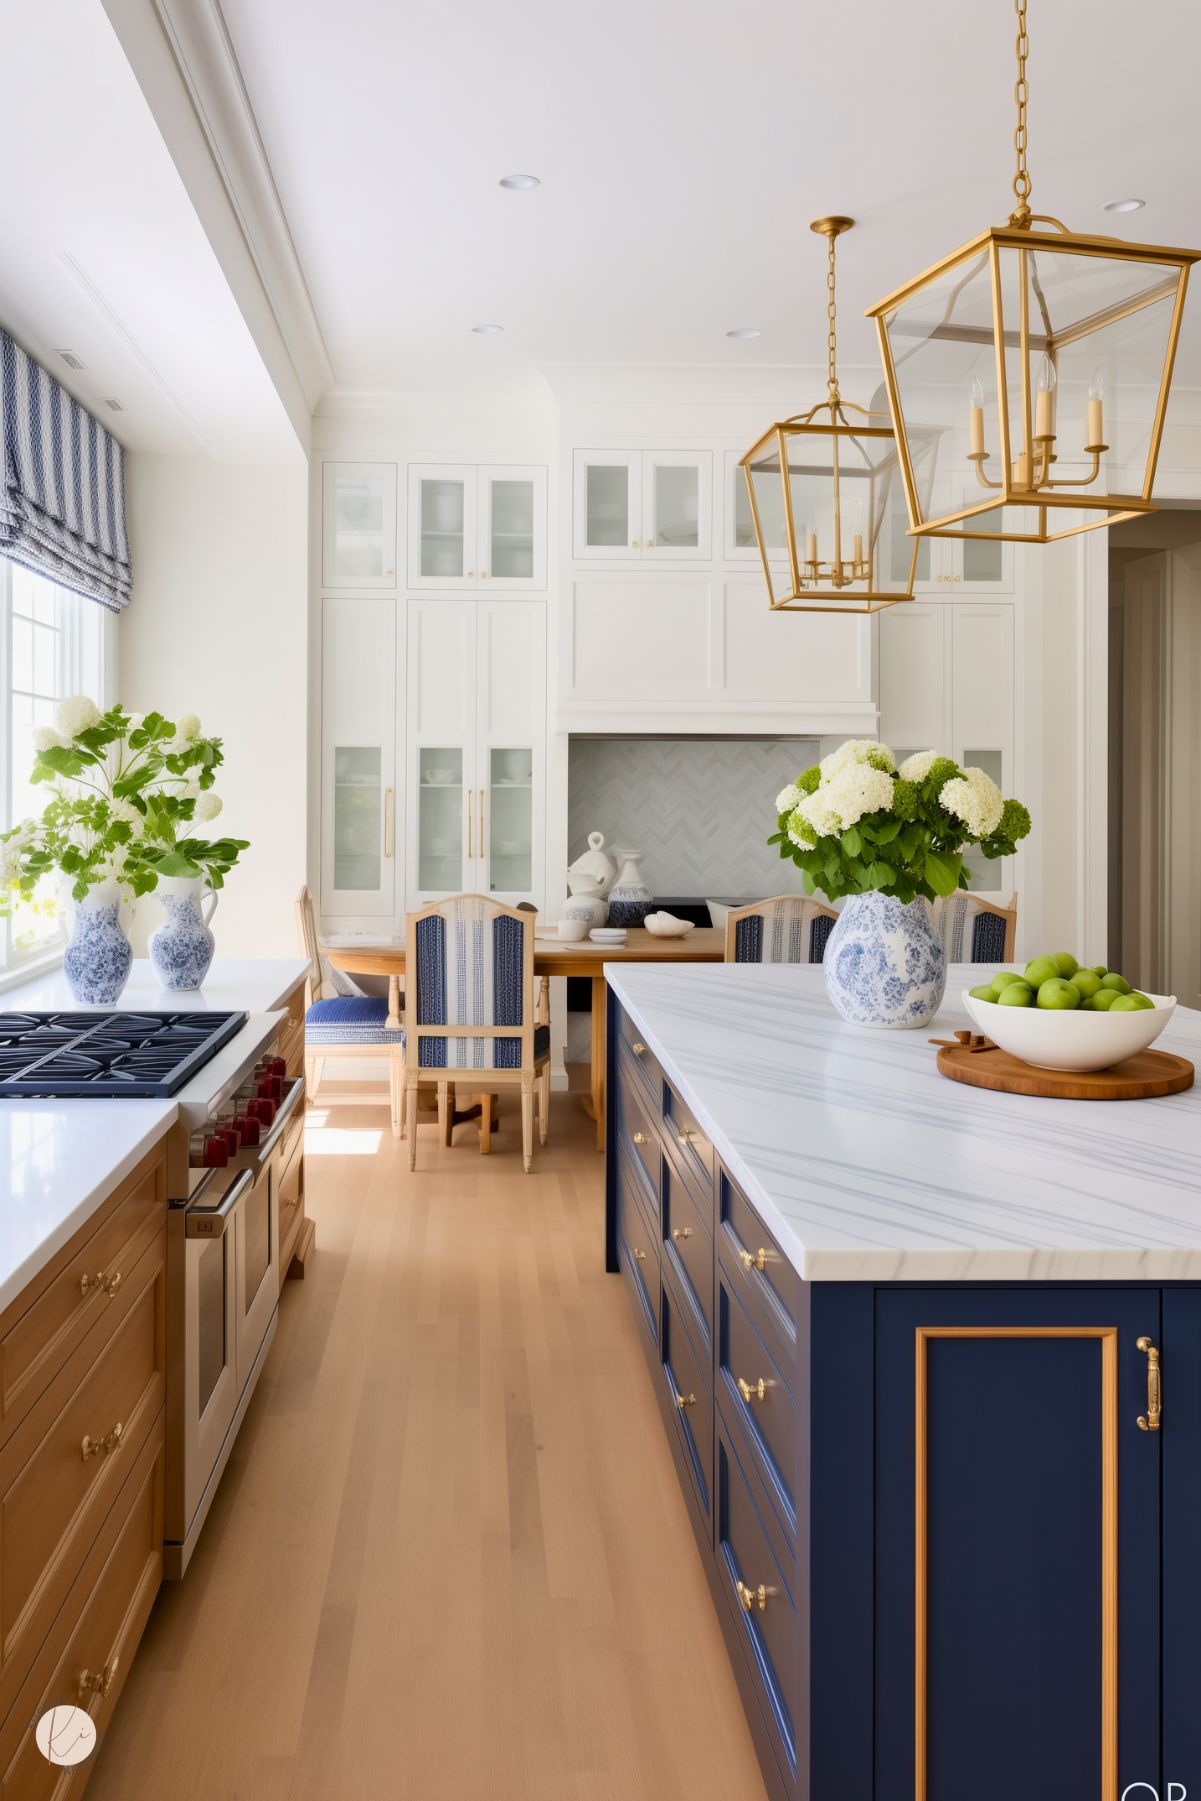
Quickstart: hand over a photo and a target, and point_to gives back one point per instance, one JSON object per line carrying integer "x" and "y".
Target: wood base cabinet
{"x": 953, "y": 1531}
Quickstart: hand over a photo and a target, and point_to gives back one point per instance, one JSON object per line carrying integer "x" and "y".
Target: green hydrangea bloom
{"x": 943, "y": 769}
{"x": 879, "y": 760}
{"x": 1015, "y": 821}
{"x": 799, "y": 827}
{"x": 809, "y": 780}
{"x": 904, "y": 799}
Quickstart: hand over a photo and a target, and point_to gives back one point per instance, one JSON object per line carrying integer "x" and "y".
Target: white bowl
{"x": 572, "y": 930}
{"x": 666, "y": 925}
{"x": 1070, "y": 1039}
{"x": 608, "y": 934}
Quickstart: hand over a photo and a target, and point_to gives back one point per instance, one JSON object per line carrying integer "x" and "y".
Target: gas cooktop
{"x": 140, "y": 1055}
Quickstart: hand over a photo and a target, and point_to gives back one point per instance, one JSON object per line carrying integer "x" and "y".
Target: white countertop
{"x": 60, "y": 1159}
{"x": 870, "y": 1166}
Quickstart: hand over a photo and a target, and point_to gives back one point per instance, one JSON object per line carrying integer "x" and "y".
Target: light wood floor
{"x": 449, "y": 1559}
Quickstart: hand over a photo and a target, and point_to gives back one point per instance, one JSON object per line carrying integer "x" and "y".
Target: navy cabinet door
{"x": 1017, "y": 1545}
{"x": 1181, "y": 1444}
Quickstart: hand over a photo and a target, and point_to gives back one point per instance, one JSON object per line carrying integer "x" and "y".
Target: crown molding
{"x": 203, "y": 50}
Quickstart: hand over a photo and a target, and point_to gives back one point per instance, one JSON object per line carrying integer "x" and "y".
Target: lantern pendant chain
{"x": 1021, "y": 93}
{"x": 831, "y": 327}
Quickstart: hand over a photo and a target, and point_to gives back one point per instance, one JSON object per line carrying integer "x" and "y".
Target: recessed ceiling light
{"x": 71, "y": 359}
{"x": 487, "y": 331}
{"x": 520, "y": 181}
{"x": 113, "y": 404}
{"x": 1122, "y": 206}
{"x": 746, "y": 331}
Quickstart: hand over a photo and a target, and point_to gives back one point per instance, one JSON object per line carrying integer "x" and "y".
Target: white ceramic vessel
{"x": 1071, "y": 1039}
{"x": 593, "y": 871}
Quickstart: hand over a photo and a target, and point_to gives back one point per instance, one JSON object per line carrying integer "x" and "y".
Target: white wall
{"x": 217, "y": 626}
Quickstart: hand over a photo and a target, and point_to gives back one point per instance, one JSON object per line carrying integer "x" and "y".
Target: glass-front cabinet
{"x": 358, "y": 525}
{"x": 639, "y": 504}
{"x": 472, "y": 527}
{"x": 444, "y": 819}
{"x": 358, "y": 755}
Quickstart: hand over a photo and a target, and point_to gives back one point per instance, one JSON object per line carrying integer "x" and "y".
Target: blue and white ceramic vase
{"x": 884, "y": 962}
{"x": 99, "y": 956}
{"x": 630, "y": 900}
{"x": 182, "y": 947}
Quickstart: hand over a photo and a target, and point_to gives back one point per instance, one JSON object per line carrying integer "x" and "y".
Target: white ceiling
{"x": 101, "y": 250}
{"x": 683, "y": 147}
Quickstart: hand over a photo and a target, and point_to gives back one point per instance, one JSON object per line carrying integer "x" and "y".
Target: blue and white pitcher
{"x": 182, "y": 947}
{"x": 99, "y": 956}
{"x": 884, "y": 962}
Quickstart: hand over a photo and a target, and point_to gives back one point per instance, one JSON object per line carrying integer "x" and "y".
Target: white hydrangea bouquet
{"x": 856, "y": 823}
{"x": 126, "y": 791}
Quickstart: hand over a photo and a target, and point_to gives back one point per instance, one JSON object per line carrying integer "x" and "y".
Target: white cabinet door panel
{"x": 443, "y": 527}
{"x": 677, "y": 505}
{"x": 442, "y": 670}
{"x": 793, "y": 658}
{"x": 607, "y": 505}
{"x": 914, "y": 677}
{"x": 641, "y": 639}
{"x": 358, "y": 755}
{"x": 358, "y": 525}
{"x": 511, "y": 553}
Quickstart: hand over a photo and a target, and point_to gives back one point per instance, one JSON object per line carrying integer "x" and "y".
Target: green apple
{"x": 1118, "y": 983}
{"x": 1003, "y": 980}
{"x": 1065, "y": 963}
{"x": 982, "y": 994}
{"x": 1103, "y": 1000}
{"x": 1131, "y": 1003}
{"x": 1016, "y": 994}
{"x": 1099, "y": 969}
{"x": 1058, "y": 994}
{"x": 1087, "y": 982}
{"x": 1040, "y": 970}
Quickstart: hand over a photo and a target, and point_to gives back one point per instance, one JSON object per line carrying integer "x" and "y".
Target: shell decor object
{"x": 666, "y": 925}
{"x": 630, "y": 900}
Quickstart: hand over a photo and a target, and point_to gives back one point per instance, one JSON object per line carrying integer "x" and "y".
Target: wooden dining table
{"x": 552, "y": 957}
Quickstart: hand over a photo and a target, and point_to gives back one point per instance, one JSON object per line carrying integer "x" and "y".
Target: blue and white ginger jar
{"x": 884, "y": 962}
{"x": 182, "y": 947}
{"x": 99, "y": 956}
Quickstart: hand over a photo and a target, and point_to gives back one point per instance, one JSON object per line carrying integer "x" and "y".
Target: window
{"x": 52, "y": 643}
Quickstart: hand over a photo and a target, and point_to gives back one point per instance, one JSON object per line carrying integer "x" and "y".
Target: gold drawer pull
{"x": 639, "y": 1050}
{"x": 641, "y": 1138}
{"x": 102, "y": 1447}
{"x": 754, "y": 1259}
{"x": 89, "y": 1284}
{"x": 97, "y": 1682}
{"x": 683, "y": 1401}
{"x": 113, "y": 1284}
{"x": 752, "y": 1391}
{"x": 1149, "y": 1421}
{"x": 752, "y": 1597}
{"x": 689, "y": 1137}
{"x": 681, "y": 1231}
{"x": 639, "y": 1256}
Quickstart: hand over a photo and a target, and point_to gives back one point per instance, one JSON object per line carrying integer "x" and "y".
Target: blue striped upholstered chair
{"x": 471, "y": 1015}
{"x": 974, "y": 929}
{"x": 347, "y": 1023}
{"x": 788, "y": 928}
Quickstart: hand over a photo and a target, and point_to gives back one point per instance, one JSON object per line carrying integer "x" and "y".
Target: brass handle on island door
{"x": 102, "y": 1447}
{"x": 641, "y": 1138}
{"x": 681, "y": 1232}
{"x": 639, "y": 1050}
{"x": 752, "y": 1597}
{"x": 683, "y": 1401}
{"x": 1149, "y": 1421}
{"x": 754, "y": 1259}
{"x": 97, "y": 1682}
{"x": 752, "y": 1391}
{"x": 639, "y": 1256}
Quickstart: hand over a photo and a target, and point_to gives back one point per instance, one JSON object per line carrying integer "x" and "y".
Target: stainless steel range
{"x": 134, "y": 1056}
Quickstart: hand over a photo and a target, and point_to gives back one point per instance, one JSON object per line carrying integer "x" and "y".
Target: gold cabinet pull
{"x": 639, "y": 1050}
{"x": 1149, "y": 1421}
{"x": 688, "y": 1137}
{"x": 483, "y": 791}
{"x": 483, "y": 575}
{"x": 752, "y": 1391}
{"x": 639, "y": 1256}
{"x": 681, "y": 1231}
{"x": 102, "y": 1447}
{"x": 113, "y": 1284}
{"x": 641, "y": 1138}
{"x": 752, "y": 1597}
{"x": 683, "y": 1401}
{"x": 89, "y": 1284}
{"x": 97, "y": 1682}
{"x": 754, "y": 1259}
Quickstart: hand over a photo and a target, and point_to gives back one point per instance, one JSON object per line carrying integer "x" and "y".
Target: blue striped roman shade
{"x": 62, "y": 504}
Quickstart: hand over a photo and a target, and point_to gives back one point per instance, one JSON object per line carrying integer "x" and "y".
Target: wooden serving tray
{"x": 1139, "y": 1078}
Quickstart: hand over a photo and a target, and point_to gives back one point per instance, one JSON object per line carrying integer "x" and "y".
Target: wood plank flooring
{"x": 449, "y": 1557}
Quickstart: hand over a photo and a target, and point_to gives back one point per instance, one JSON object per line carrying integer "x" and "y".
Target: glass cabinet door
{"x": 508, "y": 843}
{"x": 442, "y": 527}
{"x": 676, "y": 503}
{"x": 358, "y": 818}
{"x": 358, "y": 540}
{"x": 445, "y": 822}
{"x": 608, "y": 504}
{"x": 512, "y": 528}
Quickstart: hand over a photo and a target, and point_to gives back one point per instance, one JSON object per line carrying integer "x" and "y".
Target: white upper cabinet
{"x": 358, "y": 755}
{"x": 474, "y": 527}
{"x": 358, "y": 525}
{"x": 643, "y": 504}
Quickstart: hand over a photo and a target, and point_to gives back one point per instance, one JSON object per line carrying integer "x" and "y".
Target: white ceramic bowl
{"x": 572, "y": 930}
{"x": 1073, "y": 1040}
{"x": 608, "y": 935}
{"x": 666, "y": 925}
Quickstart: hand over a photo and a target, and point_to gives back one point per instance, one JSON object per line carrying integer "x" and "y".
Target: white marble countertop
{"x": 59, "y": 1159}
{"x": 870, "y": 1166}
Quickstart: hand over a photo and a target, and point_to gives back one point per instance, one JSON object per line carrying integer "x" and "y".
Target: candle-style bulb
{"x": 1096, "y": 386}
{"x": 976, "y": 392}
{"x": 1046, "y": 376}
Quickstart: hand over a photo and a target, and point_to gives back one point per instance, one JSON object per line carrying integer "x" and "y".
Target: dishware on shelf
{"x": 611, "y": 935}
{"x": 666, "y": 925}
{"x": 515, "y": 766}
{"x": 571, "y": 931}
{"x": 592, "y": 872}
{"x": 630, "y": 900}
{"x": 1071, "y": 1039}
{"x": 439, "y": 778}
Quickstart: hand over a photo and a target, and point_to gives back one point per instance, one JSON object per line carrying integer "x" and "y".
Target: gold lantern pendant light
{"x": 827, "y": 498}
{"x": 1039, "y": 363}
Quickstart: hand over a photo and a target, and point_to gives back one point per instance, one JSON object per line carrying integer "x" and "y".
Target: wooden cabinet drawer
{"x": 686, "y": 1371}
{"x": 288, "y": 1176}
{"x": 762, "y": 1607}
{"x": 53, "y": 1499}
{"x": 637, "y": 1248}
{"x": 683, "y": 1131}
{"x": 687, "y": 1245}
{"x": 636, "y": 1126}
{"x": 39, "y": 1334}
{"x": 760, "y": 1275}
{"x": 643, "y": 1059}
{"x": 96, "y": 1633}
{"x": 758, "y": 1397}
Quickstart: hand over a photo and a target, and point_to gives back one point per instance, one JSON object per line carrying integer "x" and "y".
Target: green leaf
{"x": 880, "y": 875}
{"x": 173, "y": 864}
{"x": 942, "y": 870}
{"x": 852, "y": 843}
{"x": 887, "y": 831}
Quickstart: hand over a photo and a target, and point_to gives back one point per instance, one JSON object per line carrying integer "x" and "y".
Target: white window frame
{"x": 17, "y": 966}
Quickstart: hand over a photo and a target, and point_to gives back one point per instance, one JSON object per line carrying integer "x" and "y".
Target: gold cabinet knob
{"x": 483, "y": 575}
{"x": 641, "y": 1138}
{"x": 113, "y": 1283}
{"x": 639, "y": 1050}
{"x": 639, "y": 1256}
{"x": 471, "y": 575}
{"x": 752, "y": 1597}
{"x": 97, "y": 1682}
{"x": 89, "y": 1284}
{"x": 681, "y": 1232}
{"x": 102, "y": 1447}
{"x": 688, "y": 1137}
{"x": 683, "y": 1401}
{"x": 754, "y": 1259}
{"x": 752, "y": 1391}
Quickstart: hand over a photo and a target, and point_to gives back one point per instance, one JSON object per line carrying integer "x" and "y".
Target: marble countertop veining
{"x": 59, "y": 1159}
{"x": 870, "y": 1166}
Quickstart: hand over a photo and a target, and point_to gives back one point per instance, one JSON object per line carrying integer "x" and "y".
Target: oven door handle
{"x": 210, "y": 1222}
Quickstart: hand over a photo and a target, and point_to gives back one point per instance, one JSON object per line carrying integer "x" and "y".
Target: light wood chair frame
{"x": 1008, "y": 913}
{"x": 816, "y": 910}
{"x": 317, "y": 1055}
{"x": 532, "y": 1077}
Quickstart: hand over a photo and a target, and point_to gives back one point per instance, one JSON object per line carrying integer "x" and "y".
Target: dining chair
{"x": 787, "y": 928}
{"x": 472, "y": 1020}
{"x": 975, "y": 929}
{"x": 347, "y": 1023}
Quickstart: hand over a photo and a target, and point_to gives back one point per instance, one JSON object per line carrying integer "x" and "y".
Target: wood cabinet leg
{"x": 485, "y": 1106}
{"x": 394, "y": 1019}
{"x": 527, "y": 1128}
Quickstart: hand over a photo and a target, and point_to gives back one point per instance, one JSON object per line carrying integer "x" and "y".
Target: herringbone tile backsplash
{"x": 700, "y": 808}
